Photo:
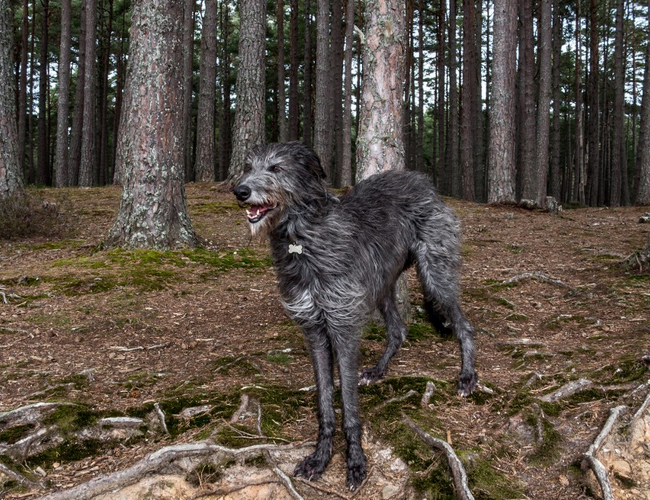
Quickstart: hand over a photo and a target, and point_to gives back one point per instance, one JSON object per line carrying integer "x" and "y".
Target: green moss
{"x": 548, "y": 444}
{"x": 488, "y": 484}
{"x": 71, "y": 417}
{"x": 420, "y": 331}
{"x": 627, "y": 369}
{"x": 15, "y": 434}
{"x": 516, "y": 317}
{"x": 68, "y": 451}
{"x": 280, "y": 358}
{"x": 374, "y": 332}
{"x": 256, "y": 461}
{"x": 235, "y": 364}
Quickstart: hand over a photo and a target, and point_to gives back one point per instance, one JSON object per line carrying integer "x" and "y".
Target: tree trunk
{"x": 64, "y": 96}
{"x": 502, "y": 161}
{"x": 642, "y": 178}
{"x": 618, "y": 124}
{"x": 250, "y": 112}
{"x": 578, "y": 193}
{"x": 419, "y": 145}
{"x": 336, "y": 74}
{"x": 544, "y": 102}
{"x": 205, "y": 152}
{"x": 294, "y": 104}
{"x": 556, "y": 133}
{"x": 43, "y": 169}
{"x": 119, "y": 91}
{"x": 22, "y": 95}
{"x": 346, "y": 163}
{"x": 188, "y": 60}
{"x": 101, "y": 173}
{"x": 77, "y": 117}
{"x": 87, "y": 165}
{"x": 468, "y": 97}
{"x": 593, "y": 108}
{"x": 225, "y": 129}
{"x": 323, "y": 106}
{"x": 152, "y": 210}
{"x": 380, "y": 145}
{"x": 452, "y": 174}
{"x": 11, "y": 179}
{"x": 439, "y": 177}
{"x": 282, "y": 99}
{"x": 527, "y": 169}
{"x": 307, "y": 122}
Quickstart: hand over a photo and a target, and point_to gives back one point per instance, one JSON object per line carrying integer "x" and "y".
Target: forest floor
{"x": 200, "y": 335}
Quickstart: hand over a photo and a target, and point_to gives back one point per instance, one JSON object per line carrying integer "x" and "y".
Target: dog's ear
{"x": 311, "y": 161}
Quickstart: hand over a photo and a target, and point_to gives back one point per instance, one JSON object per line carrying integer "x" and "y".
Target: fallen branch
{"x": 242, "y": 408}
{"x": 428, "y": 392}
{"x": 403, "y": 397}
{"x": 456, "y": 466}
{"x": 161, "y": 418}
{"x": 567, "y": 390}
{"x": 19, "y": 478}
{"x": 590, "y": 456}
{"x": 159, "y": 460}
{"x": 538, "y": 277}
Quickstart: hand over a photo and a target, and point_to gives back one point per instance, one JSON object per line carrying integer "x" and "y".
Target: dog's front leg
{"x": 347, "y": 354}
{"x": 313, "y": 466}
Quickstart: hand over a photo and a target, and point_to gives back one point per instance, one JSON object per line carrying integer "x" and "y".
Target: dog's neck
{"x": 301, "y": 219}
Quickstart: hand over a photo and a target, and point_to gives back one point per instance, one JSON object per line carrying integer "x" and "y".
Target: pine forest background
{"x": 585, "y": 96}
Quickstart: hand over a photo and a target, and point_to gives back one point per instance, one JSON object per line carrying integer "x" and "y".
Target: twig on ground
{"x": 161, "y": 418}
{"x": 538, "y": 277}
{"x": 259, "y": 418}
{"x": 428, "y": 392}
{"x": 456, "y": 466}
{"x": 590, "y": 456}
{"x": 567, "y": 390}
{"x": 233, "y": 362}
{"x": 287, "y": 482}
{"x": 410, "y": 393}
{"x": 320, "y": 488}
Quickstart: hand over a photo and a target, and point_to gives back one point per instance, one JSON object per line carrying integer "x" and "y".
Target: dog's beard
{"x": 263, "y": 228}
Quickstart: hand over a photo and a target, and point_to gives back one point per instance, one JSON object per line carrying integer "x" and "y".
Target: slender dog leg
{"x": 395, "y": 334}
{"x": 313, "y": 466}
{"x": 356, "y": 460}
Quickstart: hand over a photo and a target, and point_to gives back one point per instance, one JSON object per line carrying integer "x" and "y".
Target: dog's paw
{"x": 370, "y": 376}
{"x": 356, "y": 472}
{"x": 467, "y": 383}
{"x": 311, "y": 468}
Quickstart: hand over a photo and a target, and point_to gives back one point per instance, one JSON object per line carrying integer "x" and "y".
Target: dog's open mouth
{"x": 256, "y": 213}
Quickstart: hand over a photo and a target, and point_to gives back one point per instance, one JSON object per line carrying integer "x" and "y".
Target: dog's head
{"x": 276, "y": 177}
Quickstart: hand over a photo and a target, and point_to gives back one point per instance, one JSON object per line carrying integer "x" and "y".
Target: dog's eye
{"x": 274, "y": 168}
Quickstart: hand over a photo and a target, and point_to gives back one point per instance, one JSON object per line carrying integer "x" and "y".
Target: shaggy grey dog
{"x": 337, "y": 262}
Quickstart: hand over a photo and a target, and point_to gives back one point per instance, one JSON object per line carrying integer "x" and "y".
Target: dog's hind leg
{"x": 347, "y": 352}
{"x": 395, "y": 335}
{"x": 440, "y": 283}
{"x": 313, "y": 466}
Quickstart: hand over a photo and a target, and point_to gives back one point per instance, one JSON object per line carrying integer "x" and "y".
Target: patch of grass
{"x": 226, "y": 261}
{"x": 374, "y": 332}
{"x": 420, "y": 331}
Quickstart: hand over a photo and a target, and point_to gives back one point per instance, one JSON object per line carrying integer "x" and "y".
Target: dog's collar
{"x": 295, "y": 248}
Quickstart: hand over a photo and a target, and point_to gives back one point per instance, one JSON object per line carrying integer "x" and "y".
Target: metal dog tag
{"x": 295, "y": 248}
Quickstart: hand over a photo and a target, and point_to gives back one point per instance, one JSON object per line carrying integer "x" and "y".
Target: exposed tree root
{"x": 590, "y": 456}
{"x": 19, "y": 478}
{"x": 456, "y": 466}
{"x": 164, "y": 459}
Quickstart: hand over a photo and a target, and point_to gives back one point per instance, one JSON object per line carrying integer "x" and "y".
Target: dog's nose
{"x": 242, "y": 192}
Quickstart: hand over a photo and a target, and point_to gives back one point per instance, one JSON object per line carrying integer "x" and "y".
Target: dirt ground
{"x": 117, "y": 331}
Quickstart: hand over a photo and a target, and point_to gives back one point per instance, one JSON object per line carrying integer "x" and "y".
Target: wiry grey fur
{"x": 338, "y": 260}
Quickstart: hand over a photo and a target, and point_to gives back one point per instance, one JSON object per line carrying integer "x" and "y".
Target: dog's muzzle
{"x": 254, "y": 212}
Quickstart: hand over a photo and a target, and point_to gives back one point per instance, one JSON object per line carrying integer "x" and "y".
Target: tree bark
{"x": 11, "y": 179}
{"x": 336, "y": 91}
{"x": 250, "y": 111}
{"x": 527, "y": 169}
{"x": 77, "y": 116}
{"x": 642, "y": 177}
{"x": 152, "y": 210}
{"x": 64, "y": 96}
{"x": 205, "y": 147}
{"x": 282, "y": 99}
{"x": 544, "y": 102}
{"x": 502, "y": 161}
{"x": 452, "y": 174}
{"x": 87, "y": 165}
{"x": 555, "y": 181}
{"x": 346, "y": 146}
{"x": 307, "y": 122}
{"x": 225, "y": 129}
{"x": 294, "y": 104}
{"x": 43, "y": 165}
{"x": 618, "y": 124}
{"x": 188, "y": 60}
{"x": 323, "y": 106}
{"x": 593, "y": 108}
{"x": 380, "y": 145}
{"x": 468, "y": 98}
{"x": 22, "y": 94}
